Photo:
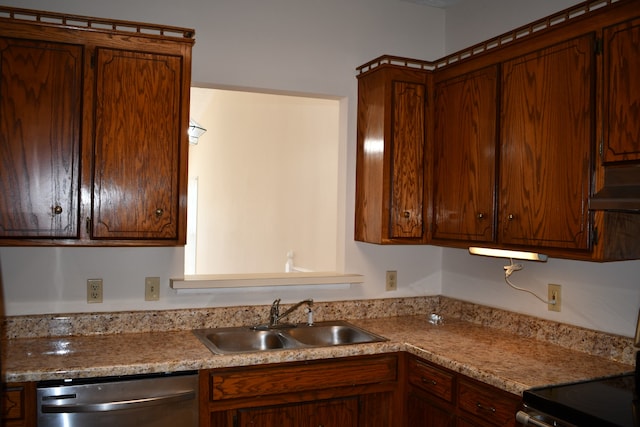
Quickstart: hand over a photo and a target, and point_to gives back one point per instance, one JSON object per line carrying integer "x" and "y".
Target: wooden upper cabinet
{"x": 93, "y": 131}
{"x": 137, "y": 145}
{"x": 621, "y": 50}
{"x": 464, "y": 177}
{"x": 390, "y": 168}
{"x": 546, "y": 129}
{"x": 40, "y": 118}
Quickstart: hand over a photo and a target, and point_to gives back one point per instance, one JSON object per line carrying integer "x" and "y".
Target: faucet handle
{"x": 275, "y": 309}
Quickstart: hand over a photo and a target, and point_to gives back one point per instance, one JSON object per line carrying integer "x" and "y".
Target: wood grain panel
{"x": 408, "y": 135}
{"x": 487, "y": 403}
{"x": 327, "y": 413}
{"x": 434, "y": 381}
{"x": 137, "y": 143}
{"x": 547, "y": 137}
{"x": 464, "y": 157}
{"x": 261, "y": 381}
{"x": 390, "y": 164}
{"x": 371, "y": 215}
{"x": 622, "y": 92}
{"x": 40, "y": 115}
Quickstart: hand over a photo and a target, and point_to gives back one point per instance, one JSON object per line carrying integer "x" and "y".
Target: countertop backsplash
{"x": 614, "y": 347}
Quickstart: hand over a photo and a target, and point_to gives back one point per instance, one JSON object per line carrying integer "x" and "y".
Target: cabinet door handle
{"x": 481, "y": 407}
{"x": 480, "y": 215}
{"x": 57, "y": 210}
{"x": 407, "y": 214}
{"x": 428, "y": 381}
{"x": 511, "y": 217}
{"x": 159, "y": 212}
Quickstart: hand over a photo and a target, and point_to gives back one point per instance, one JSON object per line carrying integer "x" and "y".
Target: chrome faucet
{"x": 275, "y": 316}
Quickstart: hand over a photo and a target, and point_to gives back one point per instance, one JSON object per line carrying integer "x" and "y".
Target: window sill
{"x": 265, "y": 279}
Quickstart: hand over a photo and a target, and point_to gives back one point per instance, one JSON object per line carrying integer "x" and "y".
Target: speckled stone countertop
{"x": 495, "y": 355}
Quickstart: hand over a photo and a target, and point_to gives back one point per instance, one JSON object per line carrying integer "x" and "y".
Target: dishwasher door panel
{"x": 158, "y": 401}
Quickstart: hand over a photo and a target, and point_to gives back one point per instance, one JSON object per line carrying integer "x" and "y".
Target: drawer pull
{"x": 481, "y": 407}
{"x": 428, "y": 381}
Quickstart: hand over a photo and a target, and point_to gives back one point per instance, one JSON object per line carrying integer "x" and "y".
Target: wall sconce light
{"x": 195, "y": 131}
{"x": 509, "y": 269}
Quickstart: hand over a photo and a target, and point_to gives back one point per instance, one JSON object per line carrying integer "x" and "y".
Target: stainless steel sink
{"x": 246, "y": 339}
{"x": 237, "y": 340}
{"x": 331, "y": 334}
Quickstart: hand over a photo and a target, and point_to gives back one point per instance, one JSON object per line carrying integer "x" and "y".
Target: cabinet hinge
{"x": 594, "y": 236}
{"x": 598, "y": 47}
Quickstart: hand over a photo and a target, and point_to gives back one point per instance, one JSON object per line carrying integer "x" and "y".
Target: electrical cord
{"x": 509, "y": 269}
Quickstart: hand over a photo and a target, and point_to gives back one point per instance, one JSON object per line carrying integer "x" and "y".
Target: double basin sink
{"x": 247, "y": 339}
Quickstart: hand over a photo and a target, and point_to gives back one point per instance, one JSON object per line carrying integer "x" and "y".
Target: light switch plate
{"x": 151, "y": 288}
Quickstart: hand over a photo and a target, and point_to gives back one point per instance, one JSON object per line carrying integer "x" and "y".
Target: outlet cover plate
{"x": 94, "y": 291}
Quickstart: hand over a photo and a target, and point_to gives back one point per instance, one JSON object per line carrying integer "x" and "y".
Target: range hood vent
{"x": 621, "y": 191}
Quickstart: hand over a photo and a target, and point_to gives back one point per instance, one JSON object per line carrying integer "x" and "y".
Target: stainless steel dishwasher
{"x": 164, "y": 400}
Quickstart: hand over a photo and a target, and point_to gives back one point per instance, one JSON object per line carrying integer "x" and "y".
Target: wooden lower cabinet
{"x": 332, "y": 412}
{"x": 423, "y": 410}
{"x": 359, "y": 391}
{"x": 18, "y": 405}
{"x": 438, "y": 397}
{"x": 386, "y": 390}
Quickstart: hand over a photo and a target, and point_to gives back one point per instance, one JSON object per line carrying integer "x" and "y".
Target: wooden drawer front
{"x": 13, "y": 403}
{"x": 260, "y": 381}
{"x": 492, "y": 405}
{"x": 431, "y": 379}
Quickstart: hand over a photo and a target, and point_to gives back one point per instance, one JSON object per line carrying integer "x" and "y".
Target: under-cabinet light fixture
{"x": 509, "y": 269}
{"x": 195, "y": 131}
{"x": 503, "y": 253}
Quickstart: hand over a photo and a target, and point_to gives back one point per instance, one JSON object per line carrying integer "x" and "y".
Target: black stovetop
{"x": 612, "y": 401}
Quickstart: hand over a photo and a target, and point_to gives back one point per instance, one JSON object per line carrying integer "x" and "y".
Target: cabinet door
{"x": 464, "y": 157}
{"x": 546, "y": 143}
{"x": 328, "y": 413}
{"x": 40, "y": 115}
{"x": 407, "y": 166}
{"x": 621, "y": 48}
{"x": 137, "y": 145}
{"x": 422, "y": 412}
{"x": 18, "y": 405}
{"x": 487, "y": 404}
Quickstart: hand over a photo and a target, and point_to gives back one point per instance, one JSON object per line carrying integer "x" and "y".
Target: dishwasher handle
{"x": 118, "y": 405}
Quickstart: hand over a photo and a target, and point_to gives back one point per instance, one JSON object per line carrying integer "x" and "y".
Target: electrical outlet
{"x": 151, "y": 288}
{"x": 94, "y": 291}
{"x": 554, "y": 294}
{"x": 392, "y": 280}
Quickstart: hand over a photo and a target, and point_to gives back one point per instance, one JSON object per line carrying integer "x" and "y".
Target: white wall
{"x": 472, "y": 21}
{"x": 313, "y": 47}
{"x": 282, "y": 45}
